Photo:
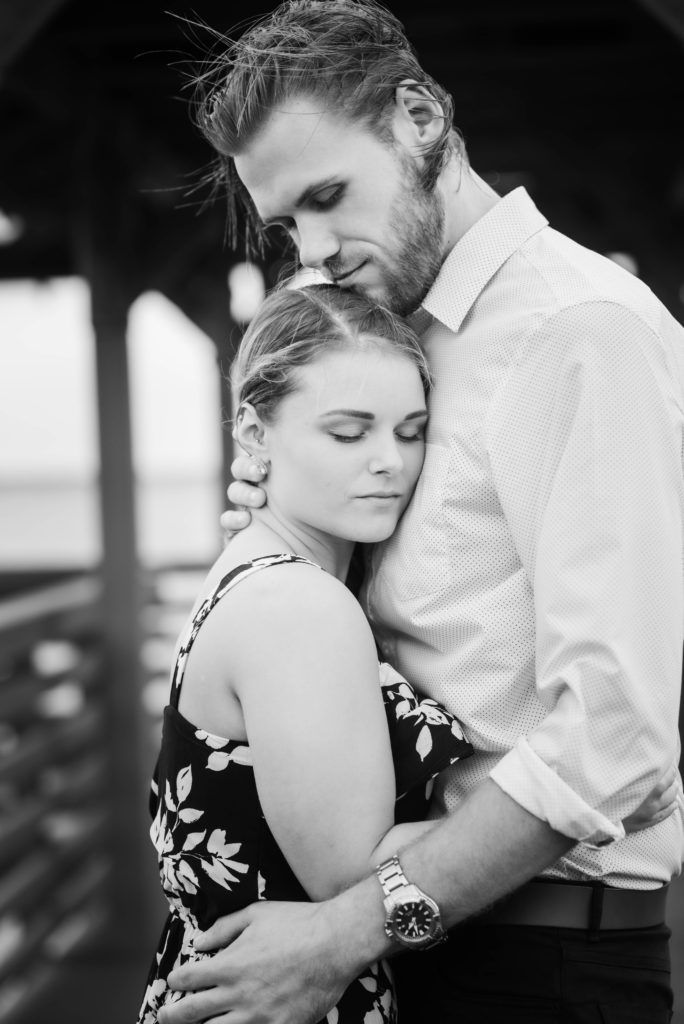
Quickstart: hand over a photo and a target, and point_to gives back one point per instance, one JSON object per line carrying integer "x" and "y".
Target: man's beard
{"x": 417, "y": 218}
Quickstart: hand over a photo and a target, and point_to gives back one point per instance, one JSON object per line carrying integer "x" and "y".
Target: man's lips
{"x": 338, "y": 278}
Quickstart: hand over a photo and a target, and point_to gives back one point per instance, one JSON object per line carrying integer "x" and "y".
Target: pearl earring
{"x": 261, "y": 466}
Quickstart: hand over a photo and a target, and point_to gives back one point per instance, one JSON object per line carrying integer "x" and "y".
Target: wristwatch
{"x": 413, "y": 919}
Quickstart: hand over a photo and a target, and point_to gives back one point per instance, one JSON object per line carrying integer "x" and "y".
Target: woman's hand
{"x": 245, "y": 492}
{"x": 660, "y": 803}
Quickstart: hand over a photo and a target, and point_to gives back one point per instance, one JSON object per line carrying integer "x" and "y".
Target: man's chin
{"x": 380, "y": 294}
{"x": 400, "y": 300}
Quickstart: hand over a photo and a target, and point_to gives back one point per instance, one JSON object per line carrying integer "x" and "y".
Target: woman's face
{"x": 347, "y": 446}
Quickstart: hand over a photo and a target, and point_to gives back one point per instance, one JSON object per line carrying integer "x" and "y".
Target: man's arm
{"x": 595, "y": 511}
{"x": 289, "y": 963}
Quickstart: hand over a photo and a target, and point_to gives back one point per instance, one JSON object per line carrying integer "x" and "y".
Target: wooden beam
{"x": 669, "y": 12}
{"x": 20, "y": 22}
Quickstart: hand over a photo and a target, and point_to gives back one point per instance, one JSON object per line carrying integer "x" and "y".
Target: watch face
{"x": 414, "y": 920}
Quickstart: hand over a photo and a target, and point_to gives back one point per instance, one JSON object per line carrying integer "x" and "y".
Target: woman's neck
{"x": 268, "y": 529}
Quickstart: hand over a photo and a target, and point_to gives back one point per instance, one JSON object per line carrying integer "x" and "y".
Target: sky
{"x": 49, "y": 505}
{"x": 48, "y": 423}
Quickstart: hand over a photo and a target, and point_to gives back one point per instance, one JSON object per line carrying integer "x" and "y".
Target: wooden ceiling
{"x": 582, "y": 101}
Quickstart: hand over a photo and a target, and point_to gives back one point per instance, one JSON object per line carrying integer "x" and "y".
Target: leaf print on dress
{"x": 168, "y": 798}
{"x": 190, "y": 814}
{"x": 424, "y": 742}
{"x": 421, "y": 726}
{"x": 220, "y": 759}
{"x": 216, "y": 742}
{"x": 183, "y": 783}
{"x": 187, "y": 877}
{"x": 193, "y": 839}
{"x": 221, "y": 864}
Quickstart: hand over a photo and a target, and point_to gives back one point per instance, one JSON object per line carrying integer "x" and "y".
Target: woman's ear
{"x": 418, "y": 116}
{"x": 250, "y": 431}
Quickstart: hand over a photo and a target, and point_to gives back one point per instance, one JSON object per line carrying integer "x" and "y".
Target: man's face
{"x": 354, "y": 206}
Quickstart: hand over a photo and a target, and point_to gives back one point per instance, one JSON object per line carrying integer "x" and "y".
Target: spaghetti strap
{"x": 227, "y": 583}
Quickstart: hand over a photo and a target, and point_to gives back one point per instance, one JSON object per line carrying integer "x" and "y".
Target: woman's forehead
{"x": 372, "y": 367}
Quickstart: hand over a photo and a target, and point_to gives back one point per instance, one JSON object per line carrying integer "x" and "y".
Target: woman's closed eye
{"x": 412, "y": 435}
{"x": 356, "y": 436}
{"x": 406, "y": 436}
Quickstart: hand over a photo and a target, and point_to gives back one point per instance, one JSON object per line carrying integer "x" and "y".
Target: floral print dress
{"x": 216, "y": 852}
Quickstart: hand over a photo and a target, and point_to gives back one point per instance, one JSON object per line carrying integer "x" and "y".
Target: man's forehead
{"x": 292, "y": 124}
{"x": 296, "y": 150}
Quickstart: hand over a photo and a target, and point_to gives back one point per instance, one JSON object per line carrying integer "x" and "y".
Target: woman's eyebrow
{"x": 418, "y": 414}
{"x": 350, "y": 412}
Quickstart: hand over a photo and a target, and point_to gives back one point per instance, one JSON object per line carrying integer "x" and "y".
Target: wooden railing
{"x": 54, "y": 860}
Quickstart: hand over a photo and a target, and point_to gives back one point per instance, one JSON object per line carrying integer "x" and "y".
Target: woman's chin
{"x": 375, "y": 533}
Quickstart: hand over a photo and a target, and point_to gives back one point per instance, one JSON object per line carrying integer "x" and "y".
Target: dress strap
{"x": 230, "y": 580}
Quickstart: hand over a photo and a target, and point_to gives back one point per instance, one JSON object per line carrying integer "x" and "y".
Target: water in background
{"x": 55, "y": 524}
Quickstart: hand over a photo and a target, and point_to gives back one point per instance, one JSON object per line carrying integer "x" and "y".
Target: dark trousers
{"x": 509, "y": 974}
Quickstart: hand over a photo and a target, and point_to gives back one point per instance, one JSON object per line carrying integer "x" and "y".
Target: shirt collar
{"x": 478, "y": 255}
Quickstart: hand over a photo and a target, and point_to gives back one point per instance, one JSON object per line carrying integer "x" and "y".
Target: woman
{"x": 284, "y": 745}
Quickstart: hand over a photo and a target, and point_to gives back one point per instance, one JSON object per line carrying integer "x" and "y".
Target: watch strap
{"x": 391, "y": 876}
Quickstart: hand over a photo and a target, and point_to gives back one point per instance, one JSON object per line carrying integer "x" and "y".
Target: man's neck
{"x": 467, "y": 198}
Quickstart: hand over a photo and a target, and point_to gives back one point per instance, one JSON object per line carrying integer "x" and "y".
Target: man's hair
{"x": 294, "y": 327}
{"x": 350, "y": 54}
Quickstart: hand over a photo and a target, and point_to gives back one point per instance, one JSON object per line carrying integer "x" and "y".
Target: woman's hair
{"x": 350, "y": 54}
{"x": 294, "y": 326}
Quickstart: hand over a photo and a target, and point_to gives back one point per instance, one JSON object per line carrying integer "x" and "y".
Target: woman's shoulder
{"x": 284, "y": 588}
{"x": 295, "y": 619}
{"x": 283, "y": 594}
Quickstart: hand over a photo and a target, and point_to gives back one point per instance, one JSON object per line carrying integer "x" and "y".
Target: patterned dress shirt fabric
{"x": 535, "y": 583}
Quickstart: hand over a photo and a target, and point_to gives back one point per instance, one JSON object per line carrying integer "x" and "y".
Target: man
{"x": 535, "y": 582}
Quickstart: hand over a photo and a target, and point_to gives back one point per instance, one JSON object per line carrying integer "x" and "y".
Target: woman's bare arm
{"x": 305, "y": 671}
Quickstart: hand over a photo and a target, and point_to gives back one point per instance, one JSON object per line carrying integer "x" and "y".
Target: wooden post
{"x": 108, "y": 259}
{"x": 208, "y": 308}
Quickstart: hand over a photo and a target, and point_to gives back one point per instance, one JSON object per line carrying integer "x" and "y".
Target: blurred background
{"x": 120, "y": 307}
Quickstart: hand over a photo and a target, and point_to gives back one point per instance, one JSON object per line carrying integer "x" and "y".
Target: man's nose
{"x": 316, "y": 243}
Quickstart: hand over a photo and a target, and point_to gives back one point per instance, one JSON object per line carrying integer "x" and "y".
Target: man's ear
{"x": 250, "y": 431}
{"x": 418, "y": 116}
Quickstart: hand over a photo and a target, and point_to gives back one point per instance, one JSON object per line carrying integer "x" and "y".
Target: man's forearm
{"x": 485, "y": 849}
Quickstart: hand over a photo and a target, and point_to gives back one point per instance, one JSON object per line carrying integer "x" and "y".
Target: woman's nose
{"x": 387, "y": 459}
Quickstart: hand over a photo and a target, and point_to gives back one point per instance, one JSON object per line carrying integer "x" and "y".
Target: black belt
{"x": 572, "y": 905}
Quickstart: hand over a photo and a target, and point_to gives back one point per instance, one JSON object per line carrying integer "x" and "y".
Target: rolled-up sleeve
{"x": 585, "y": 445}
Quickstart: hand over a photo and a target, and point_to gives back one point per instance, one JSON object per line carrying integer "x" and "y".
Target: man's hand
{"x": 282, "y": 964}
{"x": 244, "y": 492}
{"x": 660, "y": 803}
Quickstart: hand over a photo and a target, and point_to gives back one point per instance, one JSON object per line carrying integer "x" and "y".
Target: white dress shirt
{"x": 535, "y": 583}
